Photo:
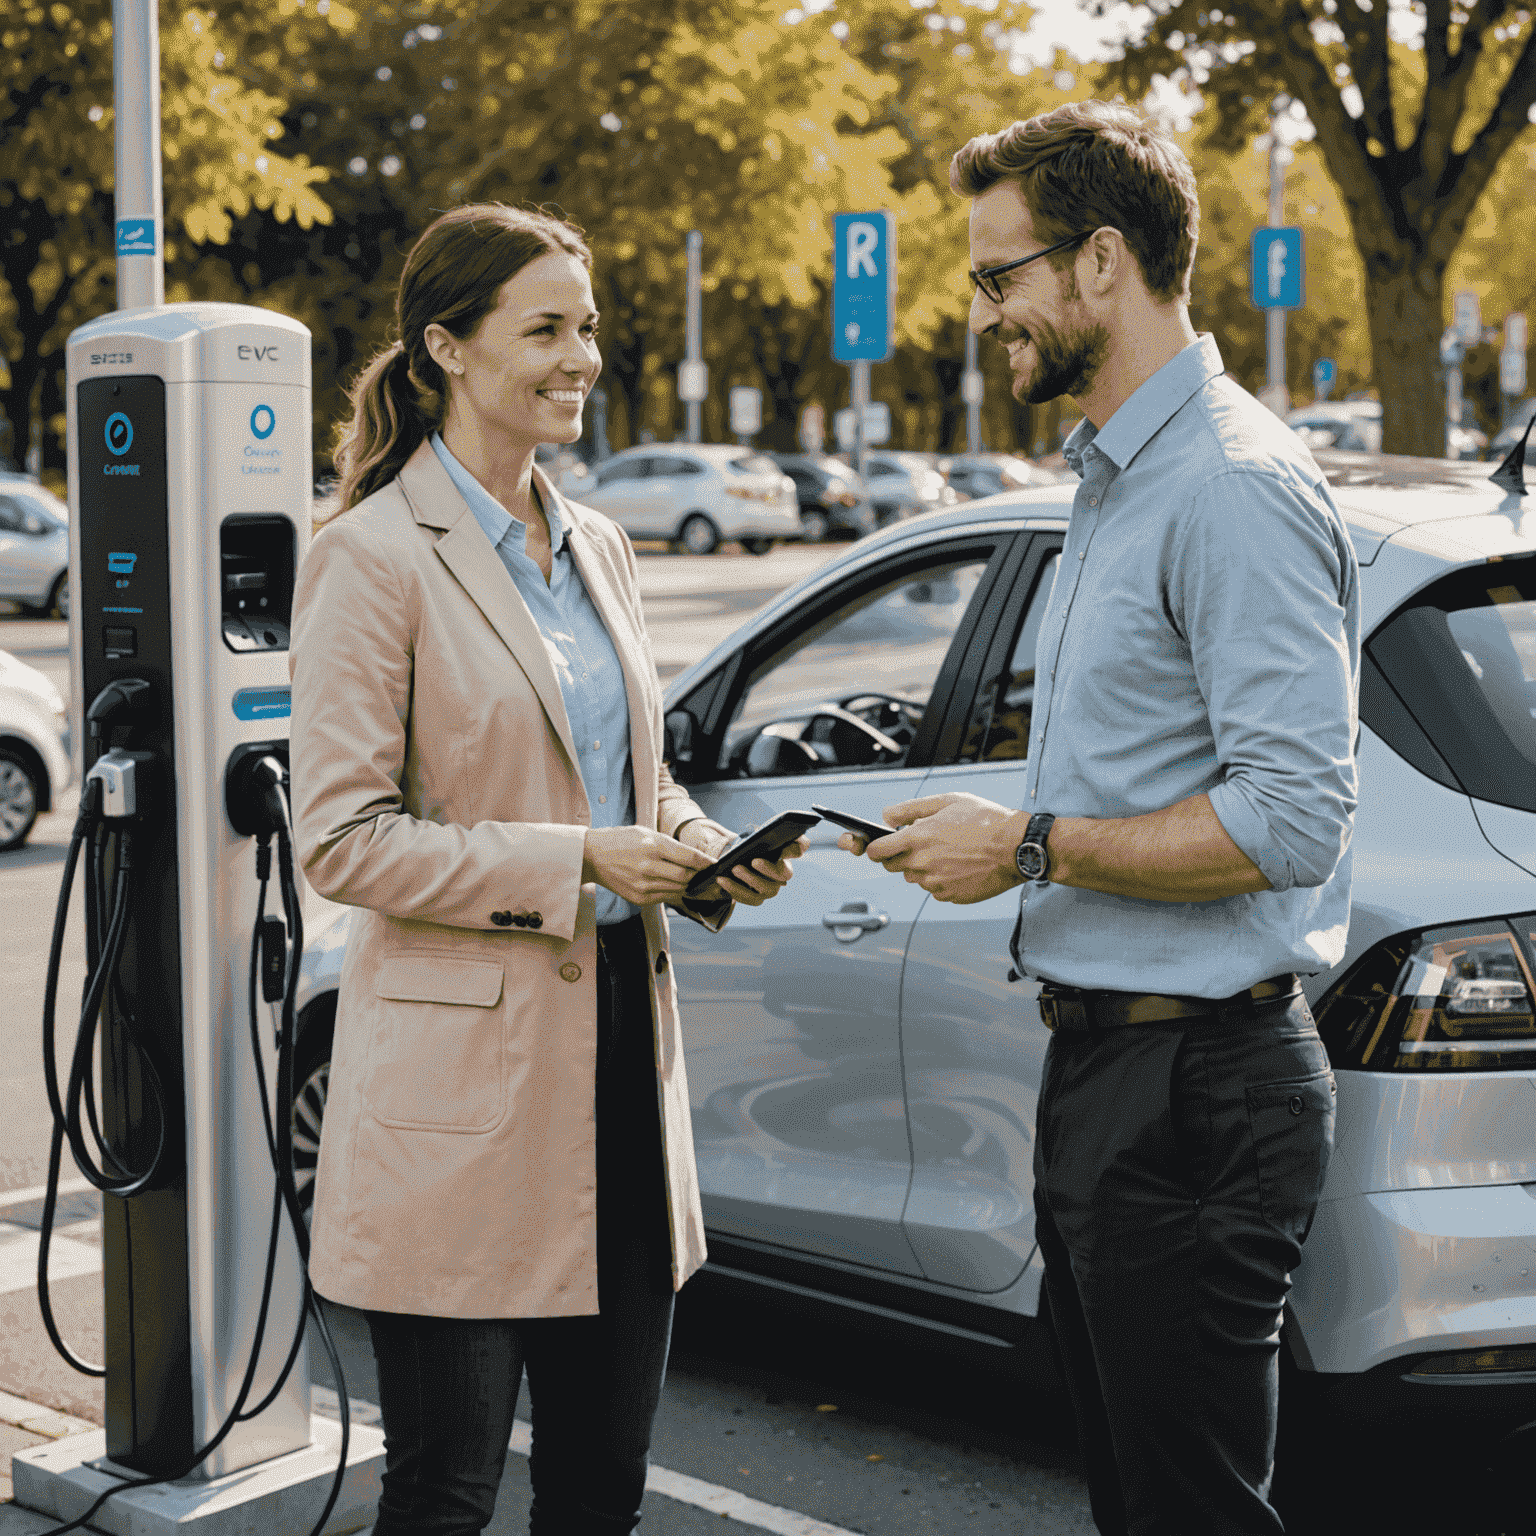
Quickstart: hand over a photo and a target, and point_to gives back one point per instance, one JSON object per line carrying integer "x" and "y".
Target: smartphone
{"x": 868, "y": 830}
{"x": 766, "y": 842}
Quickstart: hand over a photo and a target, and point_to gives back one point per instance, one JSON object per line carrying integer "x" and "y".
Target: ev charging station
{"x": 189, "y": 441}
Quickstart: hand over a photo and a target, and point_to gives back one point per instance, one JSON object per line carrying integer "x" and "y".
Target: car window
{"x": 21, "y": 514}
{"x": 884, "y": 467}
{"x": 998, "y": 729}
{"x": 623, "y": 469}
{"x": 875, "y": 659}
{"x": 673, "y": 465}
{"x": 1462, "y": 658}
{"x": 11, "y": 519}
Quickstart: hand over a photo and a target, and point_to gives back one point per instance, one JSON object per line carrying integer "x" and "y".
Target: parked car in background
{"x": 1503, "y": 442}
{"x": 34, "y": 749}
{"x": 903, "y": 484}
{"x": 863, "y": 1073}
{"x": 34, "y": 547}
{"x": 974, "y": 475}
{"x": 1351, "y": 425}
{"x": 833, "y": 500}
{"x": 693, "y": 495}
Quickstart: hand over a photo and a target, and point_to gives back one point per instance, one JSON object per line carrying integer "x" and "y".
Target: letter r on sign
{"x": 862, "y": 241}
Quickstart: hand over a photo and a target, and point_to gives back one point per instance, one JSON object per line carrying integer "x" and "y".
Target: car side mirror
{"x": 680, "y": 728}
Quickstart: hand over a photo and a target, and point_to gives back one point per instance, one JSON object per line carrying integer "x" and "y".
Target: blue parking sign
{"x": 1278, "y": 267}
{"x": 863, "y": 287}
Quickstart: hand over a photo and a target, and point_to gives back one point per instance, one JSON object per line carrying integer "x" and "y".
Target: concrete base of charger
{"x": 284, "y": 1495}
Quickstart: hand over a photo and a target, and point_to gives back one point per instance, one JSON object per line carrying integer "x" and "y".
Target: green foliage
{"x": 1412, "y": 133}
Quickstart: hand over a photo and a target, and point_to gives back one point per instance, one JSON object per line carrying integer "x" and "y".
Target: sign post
{"x": 746, "y": 412}
{"x": 1278, "y": 266}
{"x": 973, "y": 392}
{"x": 693, "y": 374}
{"x": 1512, "y": 371}
{"x": 137, "y": 192}
{"x": 1323, "y": 375}
{"x": 863, "y": 303}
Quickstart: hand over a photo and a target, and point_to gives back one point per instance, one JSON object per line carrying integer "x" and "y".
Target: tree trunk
{"x": 1405, "y": 306}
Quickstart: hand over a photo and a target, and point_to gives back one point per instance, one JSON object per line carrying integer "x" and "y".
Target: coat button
{"x": 1296, "y": 1105}
{"x": 661, "y": 963}
{"x": 502, "y": 919}
{"x": 518, "y": 920}
{"x": 570, "y": 971}
{"x": 535, "y": 920}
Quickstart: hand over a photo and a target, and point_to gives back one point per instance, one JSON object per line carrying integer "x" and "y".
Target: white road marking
{"x": 10, "y": 1197}
{"x": 712, "y": 1497}
{"x": 68, "y": 1257}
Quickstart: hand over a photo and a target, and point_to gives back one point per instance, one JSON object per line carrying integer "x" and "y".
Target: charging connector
{"x": 120, "y": 774}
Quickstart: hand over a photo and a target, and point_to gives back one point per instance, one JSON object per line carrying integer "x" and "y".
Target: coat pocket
{"x": 1292, "y": 1127}
{"x": 439, "y": 1052}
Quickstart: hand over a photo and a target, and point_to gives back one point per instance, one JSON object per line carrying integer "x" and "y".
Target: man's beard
{"x": 1063, "y": 365}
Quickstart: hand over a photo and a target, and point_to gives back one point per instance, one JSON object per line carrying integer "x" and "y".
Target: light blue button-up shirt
{"x": 1202, "y": 636}
{"x": 581, "y": 652}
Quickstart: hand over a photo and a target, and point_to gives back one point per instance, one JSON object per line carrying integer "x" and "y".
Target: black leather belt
{"x": 1076, "y": 1008}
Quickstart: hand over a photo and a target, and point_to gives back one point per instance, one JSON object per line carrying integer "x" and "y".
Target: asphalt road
{"x": 862, "y": 1432}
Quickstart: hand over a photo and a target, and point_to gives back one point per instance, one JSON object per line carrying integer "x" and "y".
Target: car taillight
{"x": 1453, "y": 999}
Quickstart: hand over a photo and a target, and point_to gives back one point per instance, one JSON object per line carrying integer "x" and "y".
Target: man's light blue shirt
{"x": 1202, "y": 636}
{"x": 581, "y": 652}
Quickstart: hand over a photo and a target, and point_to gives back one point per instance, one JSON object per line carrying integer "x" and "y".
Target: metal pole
{"x": 1274, "y": 319}
{"x": 695, "y": 336}
{"x": 860, "y": 390}
{"x": 138, "y": 198}
{"x": 972, "y": 396}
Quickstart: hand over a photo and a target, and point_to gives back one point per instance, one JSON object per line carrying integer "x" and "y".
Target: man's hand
{"x": 959, "y": 848}
{"x": 753, "y": 884}
{"x": 640, "y": 865}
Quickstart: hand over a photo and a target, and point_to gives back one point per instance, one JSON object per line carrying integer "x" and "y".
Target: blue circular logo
{"x": 119, "y": 433}
{"x": 263, "y": 421}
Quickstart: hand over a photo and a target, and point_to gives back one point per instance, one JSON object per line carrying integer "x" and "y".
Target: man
{"x": 1184, "y": 846}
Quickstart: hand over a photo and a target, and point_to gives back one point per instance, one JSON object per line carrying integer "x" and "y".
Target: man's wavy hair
{"x": 1094, "y": 163}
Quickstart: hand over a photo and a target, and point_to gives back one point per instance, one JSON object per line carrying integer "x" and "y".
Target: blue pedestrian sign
{"x": 863, "y": 287}
{"x": 1278, "y": 267}
{"x": 1323, "y": 375}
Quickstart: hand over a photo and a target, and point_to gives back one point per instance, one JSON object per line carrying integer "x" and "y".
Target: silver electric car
{"x": 864, "y": 1075}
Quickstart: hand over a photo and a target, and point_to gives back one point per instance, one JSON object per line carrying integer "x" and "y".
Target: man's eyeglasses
{"x": 985, "y": 278}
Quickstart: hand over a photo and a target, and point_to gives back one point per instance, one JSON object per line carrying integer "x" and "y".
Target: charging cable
{"x": 110, "y": 794}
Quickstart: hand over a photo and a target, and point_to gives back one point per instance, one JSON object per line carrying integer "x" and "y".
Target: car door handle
{"x": 853, "y": 920}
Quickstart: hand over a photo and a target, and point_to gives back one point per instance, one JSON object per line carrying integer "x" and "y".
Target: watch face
{"x": 1031, "y": 861}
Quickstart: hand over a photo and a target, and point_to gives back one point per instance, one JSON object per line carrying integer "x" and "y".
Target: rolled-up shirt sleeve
{"x": 1261, "y": 587}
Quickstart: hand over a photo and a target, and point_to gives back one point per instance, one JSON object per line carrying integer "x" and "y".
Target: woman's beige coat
{"x": 435, "y": 788}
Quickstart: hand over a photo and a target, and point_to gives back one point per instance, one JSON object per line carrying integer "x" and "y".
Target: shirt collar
{"x": 494, "y": 519}
{"x": 1141, "y": 417}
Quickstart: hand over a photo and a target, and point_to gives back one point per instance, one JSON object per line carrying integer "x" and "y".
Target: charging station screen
{"x": 124, "y": 564}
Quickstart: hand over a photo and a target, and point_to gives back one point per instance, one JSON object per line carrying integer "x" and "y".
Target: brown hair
{"x": 452, "y": 277}
{"x": 1093, "y": 163}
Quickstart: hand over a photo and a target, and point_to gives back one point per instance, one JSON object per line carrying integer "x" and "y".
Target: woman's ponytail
{"x": 452, "y": 278}
{"x": 387, "y": 426}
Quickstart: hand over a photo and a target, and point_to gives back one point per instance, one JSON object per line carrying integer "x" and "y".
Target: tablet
{"x": 766, "y": 842}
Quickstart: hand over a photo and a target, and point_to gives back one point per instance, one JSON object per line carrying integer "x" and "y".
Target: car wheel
{"x": 814, "y": 526}
{"x": 698, "y": 536}
{"x": 757, "y": 546}
{"x": 58, "y": 599}
{"x": 18, "y": 799}
{"x": 311, "y": 1088}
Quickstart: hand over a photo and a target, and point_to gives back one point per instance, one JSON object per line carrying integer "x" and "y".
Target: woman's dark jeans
{"x": 448, "y": 1386}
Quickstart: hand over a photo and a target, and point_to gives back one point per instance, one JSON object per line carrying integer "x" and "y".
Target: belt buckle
{"x": 1048, "y": 1012}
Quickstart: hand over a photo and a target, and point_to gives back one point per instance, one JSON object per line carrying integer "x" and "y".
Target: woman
{"x": 506, "y": 1178}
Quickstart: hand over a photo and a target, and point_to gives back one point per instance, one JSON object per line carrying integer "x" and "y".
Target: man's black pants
{"x": 448, "y": 1386}
{"x": 1177, "y": 1169}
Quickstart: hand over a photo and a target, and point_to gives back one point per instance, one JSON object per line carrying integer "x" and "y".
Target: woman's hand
{"x": 640, "y": 865}
{"x": 752, "y": 885}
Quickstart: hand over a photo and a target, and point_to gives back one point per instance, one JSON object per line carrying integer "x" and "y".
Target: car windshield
{"x": 1463, "y": 659}
{"x": 754, "y": 464}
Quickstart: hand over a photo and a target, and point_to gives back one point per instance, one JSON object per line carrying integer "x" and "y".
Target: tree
{"x": 57, "y": 259}
{"x": 1414, "y": 106}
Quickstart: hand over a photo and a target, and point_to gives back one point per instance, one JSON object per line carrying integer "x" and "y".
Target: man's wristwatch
{"x": 1032, "y": 856}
